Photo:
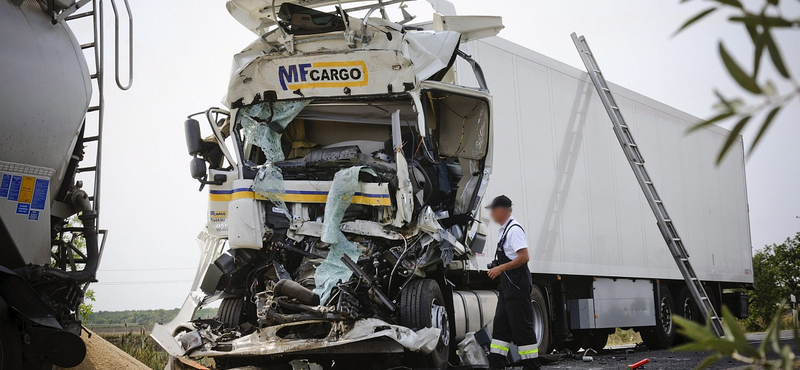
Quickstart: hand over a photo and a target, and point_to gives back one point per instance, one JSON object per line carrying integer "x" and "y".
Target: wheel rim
{"x": 440, "y": 320}
{"x": 538, "y": 321}
{"x": 688, "y": 310}
{"x": 666, "y": 316}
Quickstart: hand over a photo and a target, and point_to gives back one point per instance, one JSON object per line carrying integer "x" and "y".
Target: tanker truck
{"x": 346, "y": 177}
{"x": 50, "y": 244}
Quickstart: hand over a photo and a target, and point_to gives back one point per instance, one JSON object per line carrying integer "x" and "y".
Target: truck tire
{"x": 422, "y": 306}
{"x": 230, "y": 312}
{"x": 687, "y": 307}
{"x": 10, "y": 346}
{"x": 541, "y": 320}
{"x": 662, "y": 335}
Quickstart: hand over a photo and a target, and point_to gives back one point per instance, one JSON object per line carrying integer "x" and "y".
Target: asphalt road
{"x": 621, "y": 357}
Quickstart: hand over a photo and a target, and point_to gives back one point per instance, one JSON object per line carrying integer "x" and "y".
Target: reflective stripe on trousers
{"x": 499, "y": 347}
{"x": 528, "y": 352}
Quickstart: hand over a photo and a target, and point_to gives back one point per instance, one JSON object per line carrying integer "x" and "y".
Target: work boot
{"x": 531, "y": 364}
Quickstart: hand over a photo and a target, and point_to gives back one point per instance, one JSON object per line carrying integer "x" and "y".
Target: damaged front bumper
{"x": 362, "y": 336}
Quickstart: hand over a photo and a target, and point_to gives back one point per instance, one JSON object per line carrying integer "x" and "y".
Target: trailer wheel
{"x": 231, "y": 312}
{"x": 10, "y": 346}
{"x": 422, "y": 306}
{"x": 541, "y": 320}
{"x": 687, "y": 307}
{"x": 662, "y": 335}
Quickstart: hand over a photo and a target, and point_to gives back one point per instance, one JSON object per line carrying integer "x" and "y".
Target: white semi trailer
{"x": 347, "y": 176}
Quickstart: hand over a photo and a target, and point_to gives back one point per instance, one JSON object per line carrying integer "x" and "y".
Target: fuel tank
{"x": 45, "y": 91}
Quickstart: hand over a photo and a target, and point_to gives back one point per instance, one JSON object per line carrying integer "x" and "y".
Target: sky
{"x": 183, "y": 54}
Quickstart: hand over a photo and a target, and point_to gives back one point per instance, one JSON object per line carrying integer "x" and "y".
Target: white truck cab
{"x": 344, "y": 182}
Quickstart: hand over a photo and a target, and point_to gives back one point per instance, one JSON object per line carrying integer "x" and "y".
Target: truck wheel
{"x": 687, "y": 307}
{"x": 541, "y": 320}
{"x": 662, "y": 335}
{"x": 422, "y": 306}
{"x": 230, "y": 312}
{"x": 10, "y": 346}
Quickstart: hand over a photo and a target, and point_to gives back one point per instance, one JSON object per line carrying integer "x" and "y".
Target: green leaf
{"x": 775, "y": 53}
{"x": 733, "y": 3}
{"x": 693, "y": 330}
{"x": 768, "y": 21}
{"x": 758, "y": 43}
{"x": 694, "y": 19}
{"x": 748, "y": 19}
{"x": 711, "y": 120}
{"x": 737, "y": 73}
{"x": 732, "y": 136}
{"x": 733, "y": 328}
{"x": 708, "y": 361}
{"x": 764, "y": 126}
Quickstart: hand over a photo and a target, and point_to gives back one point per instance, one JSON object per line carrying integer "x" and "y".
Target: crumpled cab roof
{"x": 258, "y": 15}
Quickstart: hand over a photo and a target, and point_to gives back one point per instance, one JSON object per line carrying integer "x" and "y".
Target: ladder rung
{"x": 614, "y": 107}
{"x": 89, "y": 139}
{"x": 91, "y": 198}
{"x": 93, "y": 76}
{"x": 639, "y": 163}
{"x": 87, "y": 45}
{"x": 87, "y": 169}
{"x": 80, "y": 15}
{"x": 93, "y": 108}
{"x": 632, "y": 145}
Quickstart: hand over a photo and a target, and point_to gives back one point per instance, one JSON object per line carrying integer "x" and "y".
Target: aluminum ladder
{"x": 635, "y": 159}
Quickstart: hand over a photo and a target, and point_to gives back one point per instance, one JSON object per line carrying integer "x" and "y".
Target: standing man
{"x": 513, "y": 319}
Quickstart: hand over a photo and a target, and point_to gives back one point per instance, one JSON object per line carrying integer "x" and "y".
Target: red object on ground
{"x": 638, "y": 364}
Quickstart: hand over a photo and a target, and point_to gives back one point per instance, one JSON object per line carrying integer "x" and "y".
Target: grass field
{"x": 137, "y": 343}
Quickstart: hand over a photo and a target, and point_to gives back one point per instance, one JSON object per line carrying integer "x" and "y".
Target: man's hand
{"x": 496, "y": 271}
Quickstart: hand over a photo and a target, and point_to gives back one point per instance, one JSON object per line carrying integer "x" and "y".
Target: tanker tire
{"x": 419, "y": 302}
{"x": 662, "y": 335}
{"x": 10, "y": 346}
{"x": 541, "y": 320}
{"x": 230, "y": 312}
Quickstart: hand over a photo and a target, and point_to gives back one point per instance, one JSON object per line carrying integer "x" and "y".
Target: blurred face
{"x": 500, "y": 215}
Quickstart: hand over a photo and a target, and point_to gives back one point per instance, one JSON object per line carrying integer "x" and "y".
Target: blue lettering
{"x": 287, "y": 76}
{"x": 303, "y": 71}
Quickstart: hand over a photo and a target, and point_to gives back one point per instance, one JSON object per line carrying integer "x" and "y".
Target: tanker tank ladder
{"x": 665, "y": 224}
{"x": 92, "y": 130}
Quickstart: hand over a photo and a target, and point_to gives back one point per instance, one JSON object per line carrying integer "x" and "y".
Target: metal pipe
{"x": 89, "y": 220}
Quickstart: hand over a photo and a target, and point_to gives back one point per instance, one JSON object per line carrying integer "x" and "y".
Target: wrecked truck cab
{"x": 343, "y": 184}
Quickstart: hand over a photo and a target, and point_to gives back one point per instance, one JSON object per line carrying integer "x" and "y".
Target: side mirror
{"x": 198, "y": 168}
{"x": 194, "y": 142}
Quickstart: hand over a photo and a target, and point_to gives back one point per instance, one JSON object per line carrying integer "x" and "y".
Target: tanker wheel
{"x": 231, "y": 312}
{"x": 541, "y": 322}
{"x": 10, "y": 346}
{"x": 422, "y": 306}
{"x": 662, "y": 335}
